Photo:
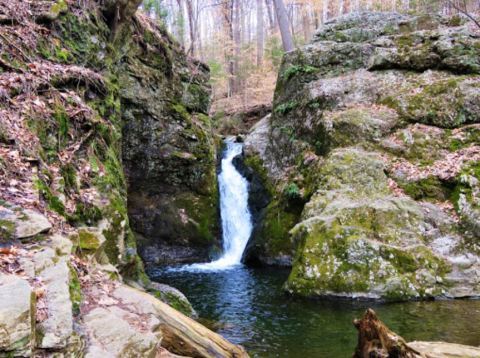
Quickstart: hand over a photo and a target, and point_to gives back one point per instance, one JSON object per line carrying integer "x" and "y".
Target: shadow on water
{"x": 252, "y": 310}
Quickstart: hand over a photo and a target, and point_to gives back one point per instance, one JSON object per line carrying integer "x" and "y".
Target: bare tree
{"x": 192, "y": 27}
{"x": 282, "y": 17}
{"x": 462, "y": 7}
{"x": 325, "y": 4}
{"x": 180, "y": 23}
{"x": 260, "y": 32}
{"x": 341, "y": 5}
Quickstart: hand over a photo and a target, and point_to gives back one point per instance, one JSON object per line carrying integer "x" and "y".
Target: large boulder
{"x": 370, "y": 159}
{"x": 357, "y": 239}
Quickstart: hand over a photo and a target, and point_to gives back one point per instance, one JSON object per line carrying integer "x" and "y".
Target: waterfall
{"x": 234, "y": 212}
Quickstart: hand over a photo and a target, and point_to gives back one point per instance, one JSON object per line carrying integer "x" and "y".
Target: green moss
{"x": 286, "y": 107}
{"x": 75, "y": 291}
{"x": 294, "y": 70}
{"x": 54, "y": 203}
{"x": 202, "y": 211}
{"x": 174, "y": 301}
{"x": 470, "y": 135}
{"x": 196, "y": 98}
{"x": 7, "y": 230}
{"x": 62, "y": 121}
{"x": 59, "y": 7}
{"x": 426, "y": 188}
{"x": 440, "y": 103}
{"x": 86, "y": 213}
{"x": 274, "y": 229}
{"x": 116, "y": 213}
{"x": 83, "y": 40}
{"x": 69, "y": 174}
{"x": 292, "y": 191}
{"x": 182, "y": 111}
{"x": 62, "y": 54}
{"x": 204, "y": 119}
{"x": 87, "y": 240}
{"x": 256, "y": 163}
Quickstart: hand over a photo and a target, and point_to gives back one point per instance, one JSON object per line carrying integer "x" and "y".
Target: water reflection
{"x": 253, "y": 311}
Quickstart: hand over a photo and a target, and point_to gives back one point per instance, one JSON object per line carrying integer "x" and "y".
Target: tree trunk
{"x": 118, "y": 12}
{"x": 306, "y": 25}
{"x": 283, "y": 24}
{"x": 180, "y": 24}
{"x": 341, "y": 6}
{"x": 357, "y": 5}
{"x": 325, "y": 11}
{"x": 191, "y": 25}
{"x": 227, "y": 10}
{"x": 376, "y": 340}
{"x": 236, "y": 40}
{"x": 271, "y": 20}
{"x": 260, "y": 34}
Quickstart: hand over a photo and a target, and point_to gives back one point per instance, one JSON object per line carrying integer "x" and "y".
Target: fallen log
{"x": 181, "y": 335}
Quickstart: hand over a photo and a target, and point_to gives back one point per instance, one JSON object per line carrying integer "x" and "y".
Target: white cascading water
{"x": 235, "y": 215}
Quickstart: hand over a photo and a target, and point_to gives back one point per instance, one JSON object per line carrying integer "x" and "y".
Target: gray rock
{"x": 31, "y": 223}
{"x": 58, "y": 327}
{"x": 17, "y": 316}
{"x": 173, "y": 297}
{"x": 445, "y": 350}
{"x": 19, "y": 223}
{"x": 112, "y": 334}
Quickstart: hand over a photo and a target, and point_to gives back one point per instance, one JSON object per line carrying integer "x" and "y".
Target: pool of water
{"x": 248, "y": 307}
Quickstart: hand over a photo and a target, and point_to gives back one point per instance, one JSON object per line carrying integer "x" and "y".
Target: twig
{"x": 464, "y": 12}
{"x": 16, "y": 47}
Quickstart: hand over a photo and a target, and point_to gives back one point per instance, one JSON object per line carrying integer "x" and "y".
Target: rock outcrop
{"x": 169, "y": 150}
{"x": 371, "y": 157}
{"x": 87, "y": 94}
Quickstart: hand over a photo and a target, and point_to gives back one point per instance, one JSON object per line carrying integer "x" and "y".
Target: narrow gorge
{"x": 136, "y": 222}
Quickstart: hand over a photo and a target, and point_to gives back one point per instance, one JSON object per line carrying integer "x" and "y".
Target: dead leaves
{"x": 445, "y": 169}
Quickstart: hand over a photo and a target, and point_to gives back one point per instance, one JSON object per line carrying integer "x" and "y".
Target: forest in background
{"x": 241, "y": 40}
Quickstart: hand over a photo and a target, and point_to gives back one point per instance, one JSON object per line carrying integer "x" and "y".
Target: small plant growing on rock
{"x": 286, "y": 107}
{"x": 296, "y": 69}
{"x": 292, "y": 192}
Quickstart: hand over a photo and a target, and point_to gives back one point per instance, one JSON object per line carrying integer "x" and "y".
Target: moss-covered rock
{"x": 19, "y": 223}
{"x": 169, "y": 149}
{"x": 355, "y": 125}
{"x": 443, "y": 101}
{"x": 87, "y": 240}
{"x": 375, "y": 94}
{"x": 173, "y": 298}
{"x": 466, "y": 197}
{"x": 354, "y": 235}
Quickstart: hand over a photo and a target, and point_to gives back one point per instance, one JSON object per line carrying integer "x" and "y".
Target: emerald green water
{"x": 251, "y": 309}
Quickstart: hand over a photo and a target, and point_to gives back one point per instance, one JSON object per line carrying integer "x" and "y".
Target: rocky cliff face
{"x": 372, "y": 156}
{"x": 79, "y": 88}
{"x": 169, "y": 150}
